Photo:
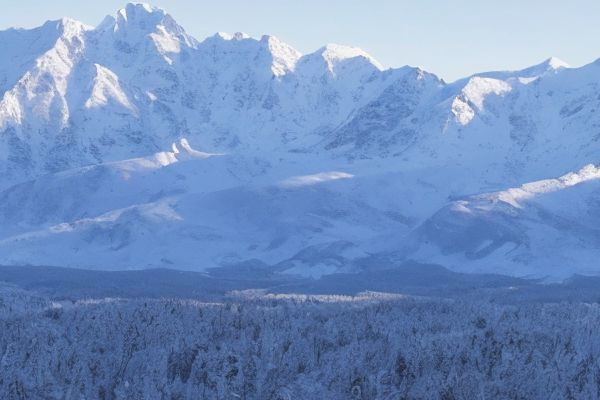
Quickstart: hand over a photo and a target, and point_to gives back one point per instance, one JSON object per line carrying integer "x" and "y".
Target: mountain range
{"x": 133, "y": 145}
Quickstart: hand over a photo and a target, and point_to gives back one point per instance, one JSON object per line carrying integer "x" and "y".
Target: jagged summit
{"x": 234, "y": 36}
{"x": 556, "y": 63}
{"x": 335, "y": 54}
{"x": 66, "y": 25}
{"x": 138, "y": 15}
{"x": 136, "y": 10}
{"x": 136, "y": 20}
{"x": 284, "y": 56}
{"x": 550, "y": 65}
{"x": 268, "y": 51}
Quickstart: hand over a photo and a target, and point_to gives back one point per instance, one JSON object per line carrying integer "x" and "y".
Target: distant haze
{"x": 452, "y": 39}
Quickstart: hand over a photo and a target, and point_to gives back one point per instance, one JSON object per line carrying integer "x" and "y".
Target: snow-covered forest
{"x": 371, "y": 346}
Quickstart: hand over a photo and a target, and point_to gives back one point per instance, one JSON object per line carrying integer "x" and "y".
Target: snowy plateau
{"x": 232, "y": 219}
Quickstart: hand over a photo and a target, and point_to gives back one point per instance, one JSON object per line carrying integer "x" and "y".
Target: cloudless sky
{"x": 452, "y": 38}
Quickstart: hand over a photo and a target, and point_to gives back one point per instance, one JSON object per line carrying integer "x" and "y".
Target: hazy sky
{"x": 452, "y": 38}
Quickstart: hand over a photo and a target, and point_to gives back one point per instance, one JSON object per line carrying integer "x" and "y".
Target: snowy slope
{"x": 309, "y": 163}
{"x": 544, "y": 228}
{"x": 194, "y": 214}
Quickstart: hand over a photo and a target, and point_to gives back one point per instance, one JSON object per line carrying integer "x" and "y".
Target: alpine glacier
{"x": 133, "y": 145}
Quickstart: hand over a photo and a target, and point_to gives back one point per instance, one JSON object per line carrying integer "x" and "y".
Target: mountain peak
{"x": 139, "y": 20}
{"x": 556, "y": 63}
{"x": 140, "y": 10}
{"x": 281, "y": 56}
{"x": 548, "y": 66}
{"x": 335, "y": 56}
{"x": 284, "y": 56}
{"x": 67, "y": 26}
{"x": 333, "y": 53}
{"x": 229, "y": 36}
{"x": 140, "y": 15}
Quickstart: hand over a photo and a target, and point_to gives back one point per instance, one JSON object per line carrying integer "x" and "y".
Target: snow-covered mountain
{"x": 134, "y": 145}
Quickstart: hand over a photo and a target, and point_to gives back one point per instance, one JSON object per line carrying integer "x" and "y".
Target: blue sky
{"x": 452, "y": 38}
